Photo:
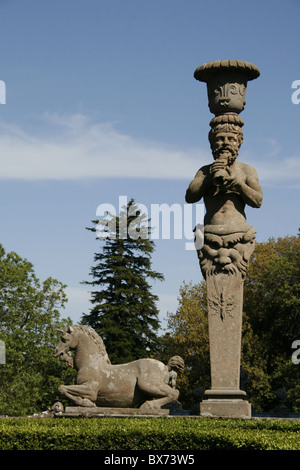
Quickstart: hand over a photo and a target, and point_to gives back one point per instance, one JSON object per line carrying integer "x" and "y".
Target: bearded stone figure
{"x": 226, "y": 187}
{"x": 224, "y": 251}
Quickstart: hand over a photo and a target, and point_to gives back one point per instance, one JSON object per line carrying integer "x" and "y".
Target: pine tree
{"x": 124, "y": 310}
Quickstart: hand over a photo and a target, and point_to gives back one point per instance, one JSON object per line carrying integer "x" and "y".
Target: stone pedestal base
{"x": 225, "y": 306}
{"x": 103, "y": 411}
{"x": 225, "y": 408}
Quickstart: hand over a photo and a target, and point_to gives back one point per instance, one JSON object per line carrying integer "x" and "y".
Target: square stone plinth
{"x": 225, "y": 408}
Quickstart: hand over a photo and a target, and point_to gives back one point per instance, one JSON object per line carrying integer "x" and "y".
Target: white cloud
{"x": 80, "y": 148}
{"x": 74, "y": 147}
{"x": 272, "y": 165}
{"x": 283, "y": 171}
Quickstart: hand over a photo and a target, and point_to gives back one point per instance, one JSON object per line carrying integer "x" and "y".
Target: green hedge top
{"x": 148, "y": 434}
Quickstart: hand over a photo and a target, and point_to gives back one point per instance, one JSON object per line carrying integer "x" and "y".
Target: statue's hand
{"x": 233, "y": 181}
{"x": 217, "y": 166}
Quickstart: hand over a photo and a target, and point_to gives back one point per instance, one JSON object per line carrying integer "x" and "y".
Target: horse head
{"x": 91, "y": 343}
{"x": 67, "y": 341}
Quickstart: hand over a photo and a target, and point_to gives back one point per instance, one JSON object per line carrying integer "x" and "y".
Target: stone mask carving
{"x": 227, "y": 252}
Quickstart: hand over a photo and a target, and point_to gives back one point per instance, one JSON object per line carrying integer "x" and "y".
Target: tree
{"x": 272, "y": 291}
{"x": 272, "y": 313}
{"x": 29, "y": 314}
{"x": 124, "y": 310}
{"x": 187, "y": 337}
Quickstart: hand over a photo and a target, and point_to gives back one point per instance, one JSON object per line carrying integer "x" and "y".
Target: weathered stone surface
{"x": 147, "y": 383}
{"x": 226, "y": 84}
{"x": 225, "y": 300}
{"x": 106, "y": 411}
{"x": 226, "y": 187}
{"x": 225, "y": 408}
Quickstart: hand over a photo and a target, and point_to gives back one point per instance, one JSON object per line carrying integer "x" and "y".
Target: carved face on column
{"x": 228, "y": 253}
{"x": 226, "y": 139}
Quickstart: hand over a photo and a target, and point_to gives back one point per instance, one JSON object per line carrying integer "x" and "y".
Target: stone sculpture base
{"x": 225, "y": 300}
{"x": 77, "y": 411}
{"x": 225, "y": 408}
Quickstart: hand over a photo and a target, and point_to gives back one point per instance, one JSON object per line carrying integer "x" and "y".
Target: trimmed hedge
{"x": 148, "y": 434}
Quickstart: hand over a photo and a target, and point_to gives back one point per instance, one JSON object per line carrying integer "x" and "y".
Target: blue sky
{"x": 101, "y": 102}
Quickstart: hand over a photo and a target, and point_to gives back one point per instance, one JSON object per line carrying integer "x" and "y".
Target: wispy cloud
{"x": 78, "y": 148}
{"x": 274, "y": 168}
{"x": 75, "y": 147}
{"x": 282, "y": 171}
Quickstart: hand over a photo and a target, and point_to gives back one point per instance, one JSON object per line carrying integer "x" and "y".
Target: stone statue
{"x": 226, "y": 187}
{"x": 147, "y": 383}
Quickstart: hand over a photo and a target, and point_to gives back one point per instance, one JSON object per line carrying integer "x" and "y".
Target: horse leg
{"x": 164, "y": 392}
{"x": 82, "y": 395}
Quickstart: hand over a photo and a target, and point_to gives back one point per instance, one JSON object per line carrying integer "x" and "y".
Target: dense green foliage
{"x": 124, "y": 310}
{"x": 271, "y": 324}
{"x": 148, "y": 434}
{"x": 29, "y": 315}
{"x": 272, "y": 321}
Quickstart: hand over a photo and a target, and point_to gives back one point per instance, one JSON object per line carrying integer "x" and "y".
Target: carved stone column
{"x": 226, "y": 186}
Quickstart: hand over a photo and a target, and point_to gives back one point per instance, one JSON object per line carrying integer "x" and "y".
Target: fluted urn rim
{"x": 204, "y": 72}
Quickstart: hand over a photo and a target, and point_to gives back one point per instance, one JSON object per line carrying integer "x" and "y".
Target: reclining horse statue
{"x": 145, "y": 383}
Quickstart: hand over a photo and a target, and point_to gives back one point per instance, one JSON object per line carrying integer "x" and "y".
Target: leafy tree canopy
{"x": 29, "y": 316}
